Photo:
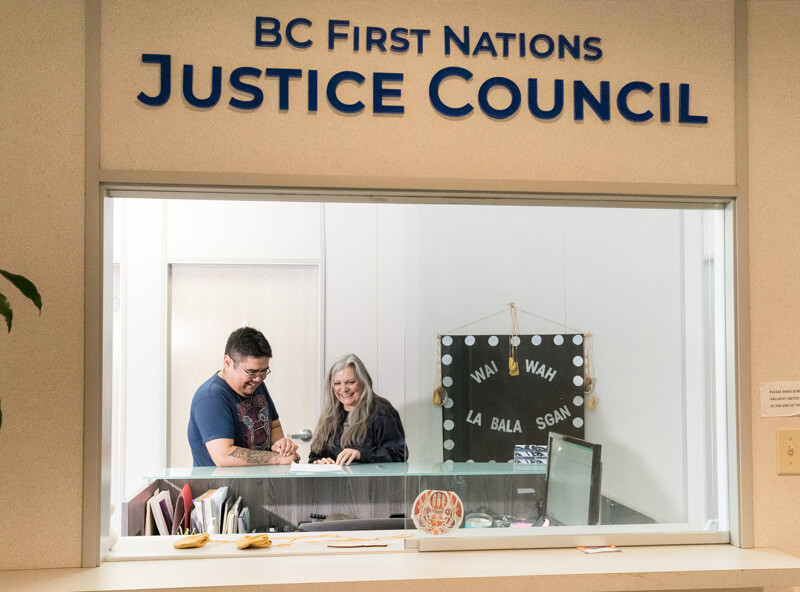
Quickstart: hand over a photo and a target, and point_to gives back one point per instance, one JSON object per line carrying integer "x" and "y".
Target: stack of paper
{"x": 208, "y": 509}
{"x": 230, "y": 522}
{"x": 164, "y": 518}
{"x": 149, "y": 521}
{"x": 244, "y": 521}
{"x": 530, "y": 454}
{"x": 160, "y": 507}
{"x": 215, "y": 512}
{"x": 311, "y": 468}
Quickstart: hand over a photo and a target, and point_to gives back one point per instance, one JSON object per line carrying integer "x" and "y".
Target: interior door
{"x": 209, "y": 301}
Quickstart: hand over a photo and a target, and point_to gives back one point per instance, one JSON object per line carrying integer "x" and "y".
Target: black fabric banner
{"x": 488, "y": 410}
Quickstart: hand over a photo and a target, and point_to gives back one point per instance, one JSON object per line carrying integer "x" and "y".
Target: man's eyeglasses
{"x": 262, "y": 374}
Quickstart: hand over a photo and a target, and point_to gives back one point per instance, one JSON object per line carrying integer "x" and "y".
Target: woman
{"x": 356, "y": 424}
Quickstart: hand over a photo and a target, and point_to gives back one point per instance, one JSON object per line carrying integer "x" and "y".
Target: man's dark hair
{"x": 247, "y": 342}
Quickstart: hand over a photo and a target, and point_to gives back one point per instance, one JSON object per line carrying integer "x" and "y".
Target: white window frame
{"x": 738, "y": 436}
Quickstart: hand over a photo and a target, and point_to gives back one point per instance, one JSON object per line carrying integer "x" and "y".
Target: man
{"x": 233, "y": 421}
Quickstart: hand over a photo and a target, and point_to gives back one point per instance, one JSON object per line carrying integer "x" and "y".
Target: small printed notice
{"x": 779, "y": 399}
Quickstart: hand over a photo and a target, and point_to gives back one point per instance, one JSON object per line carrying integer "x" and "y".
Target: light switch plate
{"x": 788, "y": 452}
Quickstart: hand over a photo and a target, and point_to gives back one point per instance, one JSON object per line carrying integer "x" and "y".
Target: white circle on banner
{"x": 577, "y": 401}
{"x": 448, "y": 424}
{"x": 515, "y": 340}
{"x": 577, "y": 422}
{"x": 492, "y": 461}
{"x": 449, "y": 444}
{"x": 449, "y": 464}
{"x": 536, "y": 340}
{"x": 448, "y": 403}
{"x": 493, "y": 340}
{"x": 558, "y": 339}
{"x": 577, "y": 380}
{"x": 447, "y": 340}
{"x": 577, "y": 339}
{"x": 577, "y": 360}
{"x": 447, "y": 359}
{"x": 469, "y": 460}
{"x": 469, "y": 340}
{"x": 448, "y": 382}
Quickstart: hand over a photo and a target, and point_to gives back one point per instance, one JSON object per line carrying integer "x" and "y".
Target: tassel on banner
{"x": 513, "y": 341}
{"x": 589, "y": 379}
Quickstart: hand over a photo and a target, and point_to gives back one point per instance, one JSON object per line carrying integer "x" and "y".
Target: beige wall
{"x": 41, "y": 236}
{"x": 696, "y": 47}
{"x": 41, "y": 177}
{"x": 774, "y": 242}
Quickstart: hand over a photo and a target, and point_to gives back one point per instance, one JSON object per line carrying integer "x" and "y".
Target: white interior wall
{"x": 392, "y": 314}
{"x": 398, "y": 275}
{"x": 246, "y": 231}
{"x": 365, "y": 291}
{"x": 698, "y": 261}
{"x": 207, "y": 301}
{"x": 470, "y": 262}
{"x": 142, "y": 298}
{"x": 277, "y": 235}
{"x": 351, "y": 284}
{"x": 150, "y": 234}
{"x": 625, "y": 287}
{"x": 620, "y": 275}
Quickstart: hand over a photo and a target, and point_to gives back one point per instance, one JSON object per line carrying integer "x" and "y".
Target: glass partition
{"x": 487, "y": 327}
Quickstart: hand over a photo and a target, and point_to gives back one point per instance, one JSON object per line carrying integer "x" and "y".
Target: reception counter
{"x": 694, "y": 567}
{"x": 282, "y": 499}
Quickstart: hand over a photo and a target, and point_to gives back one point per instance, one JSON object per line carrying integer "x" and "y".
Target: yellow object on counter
{"x": 192, "y": 541}
{"x": 258, "y": 541}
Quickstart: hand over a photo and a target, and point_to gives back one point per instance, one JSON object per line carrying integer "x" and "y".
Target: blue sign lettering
{"x": 497, "y": 97}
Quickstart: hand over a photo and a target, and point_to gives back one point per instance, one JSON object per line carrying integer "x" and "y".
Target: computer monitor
{"x": 573, "y": 481}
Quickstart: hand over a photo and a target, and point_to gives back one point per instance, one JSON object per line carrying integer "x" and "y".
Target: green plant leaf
{"x": 25, "y": 286}
{"x": 5, "y": 310}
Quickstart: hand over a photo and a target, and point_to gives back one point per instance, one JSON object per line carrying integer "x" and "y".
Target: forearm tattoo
{"x": 253, "y": 457}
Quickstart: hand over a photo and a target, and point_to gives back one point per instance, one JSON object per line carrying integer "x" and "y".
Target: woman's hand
{"x": 347, "y": 456}
{"x": 324, "y": 461}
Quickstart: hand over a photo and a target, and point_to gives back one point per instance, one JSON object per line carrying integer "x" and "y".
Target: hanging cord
{"x": 516, "y": 308}
{"x": 549, "y": 321}
{"x": 494, "y": 314}
{"x": 513, "y": 340}
{"x": 589, "y": 380}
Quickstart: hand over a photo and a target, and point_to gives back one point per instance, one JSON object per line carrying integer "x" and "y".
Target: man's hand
{"x": 225, "y": 454}
{"x": 347, "y": 456}
{"x": 285, "y": 447}
{"x": 285, "y": 460}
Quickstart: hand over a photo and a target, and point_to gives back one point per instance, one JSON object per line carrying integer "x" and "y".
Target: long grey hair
{"x": 355, "y": 430}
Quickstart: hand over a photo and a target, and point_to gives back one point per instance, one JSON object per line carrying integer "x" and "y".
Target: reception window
{"x": 563, "y": 374}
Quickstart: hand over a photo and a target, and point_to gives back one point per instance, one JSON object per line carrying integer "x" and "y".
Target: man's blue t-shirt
{"x": 220, "y": 412}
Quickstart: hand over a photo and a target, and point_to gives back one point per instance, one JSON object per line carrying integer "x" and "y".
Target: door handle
{"x": 304, "y": 435}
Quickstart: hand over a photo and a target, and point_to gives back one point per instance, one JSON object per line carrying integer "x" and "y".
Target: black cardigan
{"x": 385, "y": 442}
